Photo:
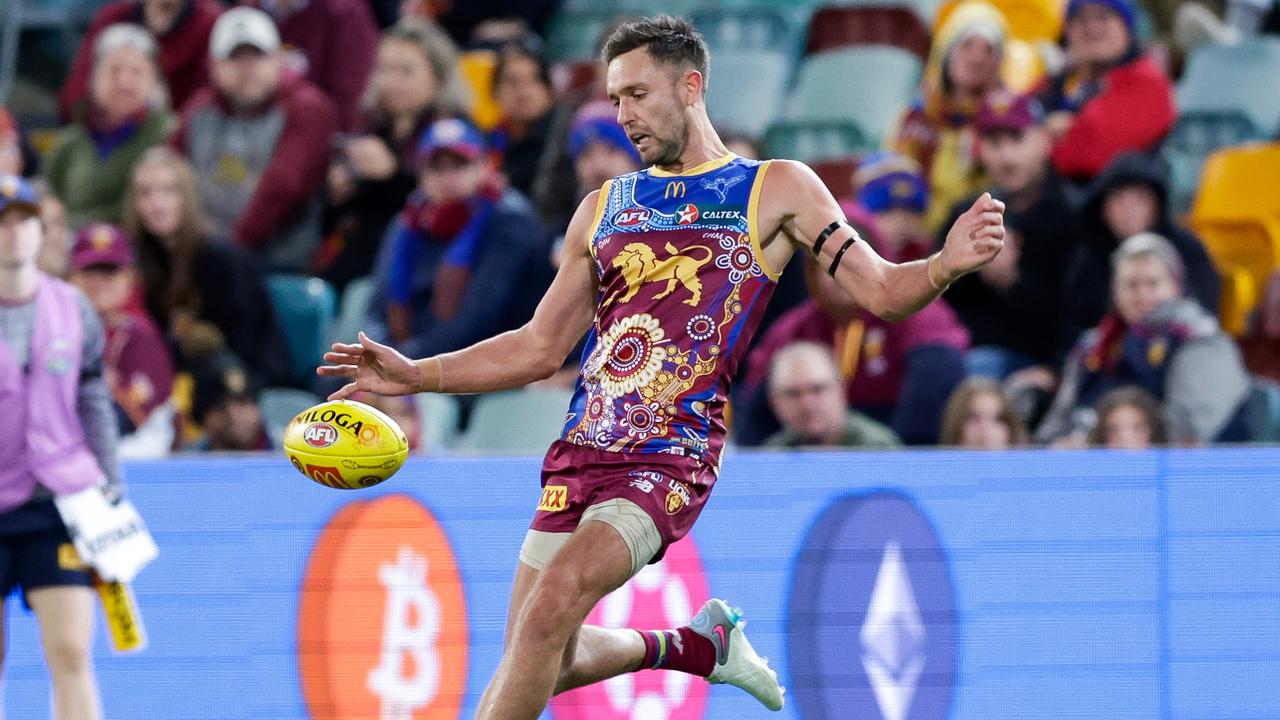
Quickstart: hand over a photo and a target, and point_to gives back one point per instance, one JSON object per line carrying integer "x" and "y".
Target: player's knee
{"x": 552, "y": 612}
{"x": 67, "y": 655}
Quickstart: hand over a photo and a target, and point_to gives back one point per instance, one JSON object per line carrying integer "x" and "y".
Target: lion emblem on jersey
{"x": 639, "y": 265}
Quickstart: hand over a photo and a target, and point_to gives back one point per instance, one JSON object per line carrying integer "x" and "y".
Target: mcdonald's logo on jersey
{"x": 675, "y": 189}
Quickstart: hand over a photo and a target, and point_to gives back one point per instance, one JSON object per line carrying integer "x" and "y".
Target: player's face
{"x": 1015, "y": 160}
{"x": 650, "y": 106}
{"x": 983, "y": 429}
{"x": 1140, "y": 285}
{"x": 1125, "y": 428}
{"x": 19, "y": 237}
{"x": 158, "y": 195}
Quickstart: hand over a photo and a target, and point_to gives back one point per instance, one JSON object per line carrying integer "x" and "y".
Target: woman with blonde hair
{"x": 126, "y": 113}
{"x": 980, "y": 417}
{"x": 415, "y": 82}
{"x": 205, "y": 293}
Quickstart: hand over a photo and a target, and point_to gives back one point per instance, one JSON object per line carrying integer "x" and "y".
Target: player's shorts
{"x": 652, "y": 499}
{"x": 36, "y": 551}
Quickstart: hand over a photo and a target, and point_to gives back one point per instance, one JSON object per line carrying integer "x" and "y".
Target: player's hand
{"x": 975, "y": 239}
{"x": 374, "y": 367}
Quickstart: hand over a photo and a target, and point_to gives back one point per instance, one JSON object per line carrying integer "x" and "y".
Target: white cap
{"x": 243, "y": 26}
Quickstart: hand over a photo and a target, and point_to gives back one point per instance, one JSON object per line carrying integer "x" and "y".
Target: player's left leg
{"x": 594, "y": 562}
{"x": 65, "y": 614}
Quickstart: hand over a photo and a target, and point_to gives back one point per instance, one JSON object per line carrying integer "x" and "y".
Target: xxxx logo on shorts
{"x": 382, "y": 621}
{"x": 663, "y": 595}
{"x": 554, "y": 498}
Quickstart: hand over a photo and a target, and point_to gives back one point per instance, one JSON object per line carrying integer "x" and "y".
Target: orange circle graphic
{"x": 382, "y": 621}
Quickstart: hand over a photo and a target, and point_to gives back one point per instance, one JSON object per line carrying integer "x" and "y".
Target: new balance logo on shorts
{"x": 554, "y": 498}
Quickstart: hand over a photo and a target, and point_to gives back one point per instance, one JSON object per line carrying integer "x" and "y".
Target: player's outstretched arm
{"x": 798, "y": 205}
{"x": 515, "y": 358}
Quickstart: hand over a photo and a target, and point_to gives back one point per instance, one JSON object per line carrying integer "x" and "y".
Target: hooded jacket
{"x": 1087, "y": 277}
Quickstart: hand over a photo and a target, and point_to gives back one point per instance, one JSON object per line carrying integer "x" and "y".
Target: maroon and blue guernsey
{"x": 682, "y": 287}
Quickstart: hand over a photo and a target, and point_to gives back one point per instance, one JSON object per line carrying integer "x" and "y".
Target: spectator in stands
{"x": 181, "y": 30}
{"x": 90, "y": 162}
{"x": 138, "y": 368}
{"x": 467, "y": 259}
{"x": 415, "y": 82}
{"x": 894, "y": 190}
{"x": 522, "y": 89}
{"x": 258, "y": 139}
{"x": 404, "y": 410}
{"x": 225, "y": 404}
{"x": 1129, "y": 418}
{"x": 333, "y": 43}
{"x": 1110, "y": 98}
{"x": 1011, "y": 307}
{"x": 980, "y": 417}
{"x": 806, "y": 392}
{"x": 58, "y": 437}
{"x": 1131, "y": 197}
{"x": 11, "y": 160}
{"x": 206, "y": 295}
{"x": 742, "y": 145}
{"x": 1261, "y": 344}
{"x": 1160, "y": 341}
{"x": 55, "y": 251}
{"x": 937, "y": 130}
{"x": 900, "y": 374}
{"x": 600, "y": 148}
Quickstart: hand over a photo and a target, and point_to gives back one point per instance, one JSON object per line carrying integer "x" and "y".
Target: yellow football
{"x": 346, "y": 445}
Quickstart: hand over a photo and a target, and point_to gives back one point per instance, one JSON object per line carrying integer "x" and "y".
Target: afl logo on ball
{"x": 872, "y": 616}
{"x": 320, "y": 435}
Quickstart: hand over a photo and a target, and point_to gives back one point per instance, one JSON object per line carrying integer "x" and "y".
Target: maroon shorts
{"x": 671, "y": 489}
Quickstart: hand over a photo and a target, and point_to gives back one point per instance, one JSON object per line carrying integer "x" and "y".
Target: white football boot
{"x": 737, "y": 663}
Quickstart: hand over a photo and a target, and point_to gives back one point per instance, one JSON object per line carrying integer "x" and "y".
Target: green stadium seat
{"x": 813, "y": 141}
{"x": 1195, "y": 137}
{"x": 353, "y": 310}
{"x": 750, "y": 29}
{"x": 518, "y": 422}
{"x": 747, "y": 90}
{"x": 279, "y": 406}
{"x": 1263, "y": 411}
{"x": 1238, "y": 78}
{"x": 439, "y": 426}
{"x": 305, "y": 308}
{"x": 573, "y": 34}
{"x": 867, "y": 85}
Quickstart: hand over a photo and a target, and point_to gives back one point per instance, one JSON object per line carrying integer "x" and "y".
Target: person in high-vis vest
{"x": 58, "y": 436}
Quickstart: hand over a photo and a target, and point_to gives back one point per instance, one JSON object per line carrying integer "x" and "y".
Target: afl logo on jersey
{"x": 631, "y": 217}
{"x": 687, "y": 214}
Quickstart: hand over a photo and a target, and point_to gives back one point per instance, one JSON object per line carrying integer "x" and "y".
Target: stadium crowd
{"x": 235, "y": 185}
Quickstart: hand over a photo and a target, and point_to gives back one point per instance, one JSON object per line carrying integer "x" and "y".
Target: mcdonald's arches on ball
{"x": 345, "y": 445}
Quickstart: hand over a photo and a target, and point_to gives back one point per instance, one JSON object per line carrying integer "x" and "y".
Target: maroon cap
{"x": 101, "y": 244}
{"x": 1004, "y": 110}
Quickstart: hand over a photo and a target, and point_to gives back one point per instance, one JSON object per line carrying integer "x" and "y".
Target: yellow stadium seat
{"x": 1023, "y": 66}
{"x": 1029, "y": 20}
{"x": 477, "y": 67}
{"x": 1237, "y": 215}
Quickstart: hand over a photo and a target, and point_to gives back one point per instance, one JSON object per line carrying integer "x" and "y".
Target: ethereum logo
{"x": 893, "y": 637}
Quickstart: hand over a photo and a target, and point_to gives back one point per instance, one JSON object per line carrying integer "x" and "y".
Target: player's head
{"x": 657, "y": 77}
{"x": 20, "y": 230}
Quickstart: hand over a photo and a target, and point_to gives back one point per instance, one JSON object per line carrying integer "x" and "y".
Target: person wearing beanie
{"x": 892, "y": 188}
{"x": 937, "y": 130}
{"x": 1110, "y": 98}
{"x": 600, "y": 147}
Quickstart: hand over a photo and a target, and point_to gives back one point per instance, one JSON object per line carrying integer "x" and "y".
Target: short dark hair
{"x": 670, "y": 40}
{"x": 527, "y": 47}
{"x": 1137, "y": 398}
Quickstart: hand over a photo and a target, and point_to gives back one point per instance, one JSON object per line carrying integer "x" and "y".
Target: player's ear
{"x": 694, "y": 84}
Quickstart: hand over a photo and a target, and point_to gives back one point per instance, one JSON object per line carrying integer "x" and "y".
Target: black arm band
{"x": 835, "y": 263}
{"x": 817, "y": 244}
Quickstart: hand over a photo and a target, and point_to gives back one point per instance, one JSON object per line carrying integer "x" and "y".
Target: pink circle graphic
{"x": 660, "y": 597}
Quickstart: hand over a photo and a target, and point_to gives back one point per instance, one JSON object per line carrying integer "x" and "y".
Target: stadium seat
{"x": 837, "y": 174}
{"x": 574, "y": 34}
{"x": 1237, "y": 215}
{"x": 10, "y": 32}
{"x": 279, "y": 406}
{"x": 837, "y": 27}
{"x": 305, "y": 308}
{"x": 813, "y": 141}
{"x": 747, "y": 90}
{"x": 748, "y": 29}
{"x": 522, "y": 421}
{"x": 869, "y": 86}
{"x": 476, "y": 67}
{"x": 352, "y": 311}
{"x": 1239, "y": 79}
{"x": 1263, "y": 411}
{"x": 926, "y": 10}
{"x": 1195, "y": 136}
{"x": 1028, "y": 19}
{"x": 439, "y": 426}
